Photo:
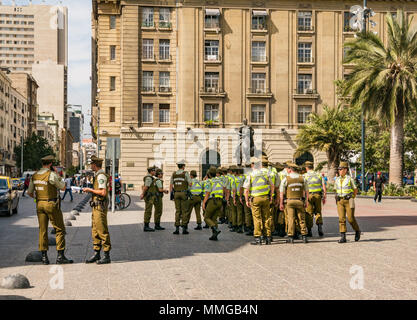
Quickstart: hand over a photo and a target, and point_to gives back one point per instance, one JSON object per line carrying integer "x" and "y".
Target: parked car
{"x": 9, "y": 198}
{"x": 22, "y": 183}
{"x": 16, "y": 183}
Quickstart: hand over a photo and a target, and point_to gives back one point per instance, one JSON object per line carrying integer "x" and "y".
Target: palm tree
{"x": 384, "y": 81}
{"x": 331, "y": 132}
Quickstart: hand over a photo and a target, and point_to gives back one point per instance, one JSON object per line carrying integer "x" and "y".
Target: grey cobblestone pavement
{"x": 160, "y": 265}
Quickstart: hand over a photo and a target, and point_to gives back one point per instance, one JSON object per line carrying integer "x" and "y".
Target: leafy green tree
{"x": 384, "y": 81}
{"x": 331, "y": 132}
{"x": 34, "y": 148}
{"x": 71, "y": 171}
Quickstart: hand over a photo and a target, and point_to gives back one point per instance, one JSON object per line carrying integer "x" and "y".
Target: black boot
{"x": 105, "y": 259}
{"x": 221, "y": 220}
{"x": 230, "y": 225}
{"x": 158, "y": 227}
{"x": 61, "y": 259}
{"x": 199, "y": 227}
{"x": 296, "y": 236}
{"x": 146, "y": 228}
{"x": 215, "y": 233}
{"x": 94, "y": 258}
{"x": 185, "y": 230}
{"x": 268, "y": 240}
{"x": 177, "y": 230}
{"x": 250, "y": 232}
{"x": 342, "y": 237}
{"x": 240, "y": 229}
{"x": 245, "y": 229}
{"x": 233, "y": 229}
{"x": 357, "y": 235}
{"x": 305, "y": 239}
{"x": 276, "y": 232}
{"x": 45, "y": 259}
{"x": 206, "y": 226}
{"x": 257, "y": 241}
{"x": 290, "y": 239}
{"x": 281, "y": 232}
{"x": 320, "y": 227}
{"x": 309, "y": 234}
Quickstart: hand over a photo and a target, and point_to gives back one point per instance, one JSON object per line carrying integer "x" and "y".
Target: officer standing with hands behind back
{"x": 46, "y": 185}
{"x": 99, "y": 203}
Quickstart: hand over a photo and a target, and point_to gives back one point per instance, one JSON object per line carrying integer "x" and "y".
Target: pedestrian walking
{"x": 99, "y": 203}
{"x": 378, "y": 187}
{"x": 44, "y": 187}
{"x": 346, "y": 192}
{"x": 68, "y": 183}
{"x": 26, "y": 184}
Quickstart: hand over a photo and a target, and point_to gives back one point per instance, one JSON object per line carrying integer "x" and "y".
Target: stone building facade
{"x": 175, "y": 79}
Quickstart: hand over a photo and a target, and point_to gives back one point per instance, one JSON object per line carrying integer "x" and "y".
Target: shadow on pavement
{"x": 13, "y": 298}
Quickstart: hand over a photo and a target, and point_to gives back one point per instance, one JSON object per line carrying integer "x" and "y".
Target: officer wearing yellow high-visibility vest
{"x": 260, "y": 188}
{"x": 273, "y": 173}
{"x": 206, "y": 181}
{"x": 296, "y": 190}
{"x": 197, "y": 193}
{"x": 246, "y": 209}
{"x": 232, "y": 199}
{"x": 149, "y": 190}
{"x": 180, "y": 182}
{"x": 221, "y": 173}
{"x": 346, "y": 192}
{"x": 317, "y": 194}
{"x": 44, "y": 187}
{"x": 213, "y": 200}
{"x": 237, "y": 196}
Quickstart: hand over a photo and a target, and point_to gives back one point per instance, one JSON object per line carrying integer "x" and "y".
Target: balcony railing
{"x": 212, "y": 91}
{"x": 165, "y": 57}
{"x": 259, "y": 26}
{"x": 149, "y": 57}
{"x": 148, "y": 24}
{"x": 164, "y": 89}
{"x": 212, "y": 58}
{"x": 165, "y": 25}
{"x": 306, "y": 59}
{"x": 259, "y": 59}
{"x": 306, "y": 91}
{"x": 259, "y": 93}
{"x": 148, "y": 89}
{"x": 347, "y": 28}
{"x": 212, "y": 25}
{"x": 305, "y": 28}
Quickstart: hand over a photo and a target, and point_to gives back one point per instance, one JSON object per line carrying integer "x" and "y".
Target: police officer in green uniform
{"x": 159, "y": 195}
{"x": 213, "y": 201}
{"x": 317, "y": 194}
{"x": 247, "y": 210}
{"x": 99, "y": 203}
{"x": 346, "y": 192}
{"x": 296, "y": 190}
{"x": 44, "y": 186}
{"x": 197, "y": 193}
{"x": 238, "y": 192}
{"x": 149, "y": 193}
{"x": 180, "y": 183}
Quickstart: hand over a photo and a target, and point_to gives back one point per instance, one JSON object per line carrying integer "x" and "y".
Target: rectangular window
{"x": 147, "y": 49}
{"x": 259, "y": 20}
{"x": 211, "y": 81}
{"x": 147, "y": 17}
{"x": 164, "y": 49}
{"x": 304, "y": 52}
{"x": 258, "y": 83}
{"x": 164, "y": 81}
{"x": 112, "y": 22}
{"x": 258, "y": 114}
{"x": 346, "y": 21}
{"x": 258, "y": 51}
{"x": 212, "y": 19}
{"x": 304, "y": 21}
{"x": 112, "y": 83}
{"x": 147, "y": 81}
{"x": 303, "y": 113}
{"x": 165, "y": 18}
{"x": 147, "y": 112}
{"x": 211, "y": 112}
{"x": 164, "y": 113}
{"x": 112, "y": 115}
{"x": 211, "y": 50}
{"x": 304, "y": 83}
{"x": 112, "y": 52}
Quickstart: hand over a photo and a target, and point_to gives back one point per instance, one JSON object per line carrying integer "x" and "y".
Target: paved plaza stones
{"x": 160, "y": 265}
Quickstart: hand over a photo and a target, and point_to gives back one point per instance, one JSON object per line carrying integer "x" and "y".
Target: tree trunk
{"x": 396, "y": 149}
{"x": 332, "y": 164}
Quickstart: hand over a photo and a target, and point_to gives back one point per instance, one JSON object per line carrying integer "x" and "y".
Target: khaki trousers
{"x": 295, "y": 209}
{"x": 195, "y": 203}
{"x": 314, "y": 208}
{"x": 181, "y": 209}
{"x": 261, "y": 213}
{"x": 149, "y": 204}
{"x": 100, "y": 230}
{"x": 248, "y": 215}
{"x": 239, "y": 216}
{"x": 47, "y": 210}
{"x": 343, "y": 210}
{"x": 158, "y": 210}
{"x": 213, "y": 207}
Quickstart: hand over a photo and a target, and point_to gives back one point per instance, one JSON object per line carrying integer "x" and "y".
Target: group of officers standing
{"x": 261, "y": 199}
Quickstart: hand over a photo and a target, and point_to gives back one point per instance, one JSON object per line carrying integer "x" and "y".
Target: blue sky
{"x": 79, "y": 51}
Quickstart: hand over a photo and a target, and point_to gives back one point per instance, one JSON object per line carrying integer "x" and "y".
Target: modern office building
{"x": 171, "y": 76}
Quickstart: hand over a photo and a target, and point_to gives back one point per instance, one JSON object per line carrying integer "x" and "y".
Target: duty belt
{"x": 49, "y": 200}
{"x": 315, "y": 192}
{"x": 338, "y": 198}
{"x": 295, "y": 199}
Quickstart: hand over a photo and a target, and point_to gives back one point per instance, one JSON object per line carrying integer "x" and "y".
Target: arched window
{"x": 307, "y": 156}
